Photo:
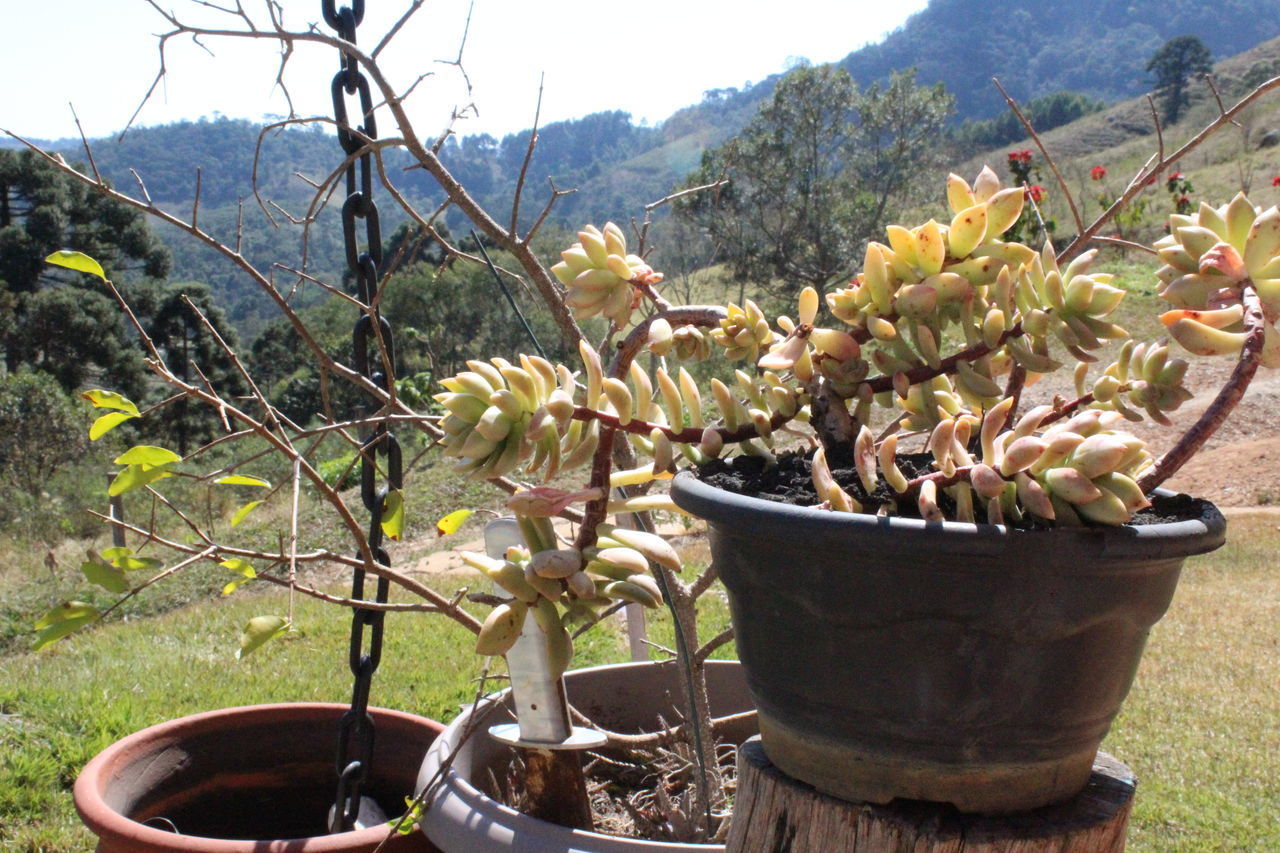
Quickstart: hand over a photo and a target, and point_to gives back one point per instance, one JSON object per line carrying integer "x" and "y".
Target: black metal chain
{"x": 374, "y": 358}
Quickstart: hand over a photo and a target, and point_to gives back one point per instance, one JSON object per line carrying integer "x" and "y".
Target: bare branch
{"x": 1053, "y": 167}
{"x": 1255, "y": 327}
{"x": 722, "y": 639}
{"x": 88, "y": 152}
{"x": 404, "y": 19}
{"x": 1160, "y": 164}
{"x": 524, "y": 165}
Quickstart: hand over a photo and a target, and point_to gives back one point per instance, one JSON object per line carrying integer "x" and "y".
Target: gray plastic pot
{"x": 246, "y": 780}
{"x": 952, "y": 662}
{"x": 625, "y": 698}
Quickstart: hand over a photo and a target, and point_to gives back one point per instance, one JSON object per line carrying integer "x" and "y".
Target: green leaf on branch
{"x": 243, "y": 512}
{"x": 105, "y": 575}
{"x": 108, "y": 422}
{"x": 242, "y": 480}
{"x": 78, "y": 261}
{"x": 259, "y": 630}
{"x": 123, "y": 558}
{"x": 393, "y": 514}
{"x": 109, "y": 400}
{"x": 146, "y": 454}
{"x": 66, "y": 618}
{"x": 136, "y": 476}
{"x": 240, "y": 567}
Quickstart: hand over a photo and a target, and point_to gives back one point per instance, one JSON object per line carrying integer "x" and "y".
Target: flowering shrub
{"x": 1031, "y": 226}
{"x": 1180, "y": 190}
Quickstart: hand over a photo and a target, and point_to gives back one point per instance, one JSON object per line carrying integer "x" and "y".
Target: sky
{"x": 648, "y": 59}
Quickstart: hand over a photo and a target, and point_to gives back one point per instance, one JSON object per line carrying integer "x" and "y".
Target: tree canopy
{"x": 59, "y": 321}
{"x": 1173, "y": 65}
{"x": 815, "y": 174}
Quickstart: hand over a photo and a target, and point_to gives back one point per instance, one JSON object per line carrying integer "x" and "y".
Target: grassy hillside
{"x": 1123, "y": 137}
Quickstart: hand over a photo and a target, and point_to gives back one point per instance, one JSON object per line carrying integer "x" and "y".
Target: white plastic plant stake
{"x": 542, "y": 709}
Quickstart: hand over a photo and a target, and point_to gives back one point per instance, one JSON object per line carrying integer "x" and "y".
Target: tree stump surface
{"x": 774, "y": 813}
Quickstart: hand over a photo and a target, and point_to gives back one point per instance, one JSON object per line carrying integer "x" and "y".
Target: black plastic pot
{"x": 952, "y": 662}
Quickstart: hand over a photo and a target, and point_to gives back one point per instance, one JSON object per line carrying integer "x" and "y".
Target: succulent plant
{"x": 935, "y": 337}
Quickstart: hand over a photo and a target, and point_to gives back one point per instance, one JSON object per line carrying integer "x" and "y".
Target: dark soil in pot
{"x": 790, "y": 482}
{"x": 971, "y": 664}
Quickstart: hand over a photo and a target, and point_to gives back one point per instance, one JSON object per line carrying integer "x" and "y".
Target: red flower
{"x": 1097, "y": 173}
{"x": 1023, "y": 156}
{"x": 1185, "y": 200}
{"x": 1036, "y": 193}
{"x": 1275, "y": 182}
{"x": 1173, "y": 179}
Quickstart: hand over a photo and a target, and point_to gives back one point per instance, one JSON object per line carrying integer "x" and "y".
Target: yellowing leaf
{"x": 136, "y": 476}
{"x": 146, "y": 454}
{"x": 62, "y": 620}
{"x": 77, "y": 261}
{"x": 242, "y": 480}
{"x": 451, "y": 522}
{"x": 243, "y": 512}
{"x": 123, "y": 558}
{"x": 135, "y": 564}
{"x": 107, "y": 423}
{"x": 259, "y": 630}
{"x": 105, "y": 575}
{"x": 109, "y": 400}
{"x": 239, "y": 566}
{"x": 232, "y": 586}
{"x": 393, "y": 514}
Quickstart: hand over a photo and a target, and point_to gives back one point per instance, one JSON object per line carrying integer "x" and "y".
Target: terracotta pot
{"x": 245, "y": 780}
{"x": 624, "y": 698}
{"x": 967, "y": 664}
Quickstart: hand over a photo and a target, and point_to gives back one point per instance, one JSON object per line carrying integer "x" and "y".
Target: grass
{"x": 1202, "y": 726}
{"x": 59, "y": 707}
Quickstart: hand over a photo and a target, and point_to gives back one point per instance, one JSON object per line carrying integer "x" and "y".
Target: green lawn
{"x": 1201, "y": 728}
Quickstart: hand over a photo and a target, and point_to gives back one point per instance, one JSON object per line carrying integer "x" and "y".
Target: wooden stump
{"x": 774, "y": 813}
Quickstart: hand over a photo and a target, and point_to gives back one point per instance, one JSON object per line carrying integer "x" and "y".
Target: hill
{"x": 1097, "y": 49}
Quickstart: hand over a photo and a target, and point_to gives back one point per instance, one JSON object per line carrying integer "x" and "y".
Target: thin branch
{"x": 1125, "y": 244}
{"x": 1159, "y": 127}
{"x": 1160, "y": 165}
{"x": 722, "y": 639}
{"x": 88, "y": 152}
{"x": 1053, "y": 167}
{"x": 142, "y": 187}
{"x": 524, "y": 165}
{"x": 556, "y": 195}
{"x": 156, "y": 579}
{"x": 1255, "y": 326}
{"x": 1217, "y": 96}
{"x": 651, "y": 740}
{"x": 395, "y": 28}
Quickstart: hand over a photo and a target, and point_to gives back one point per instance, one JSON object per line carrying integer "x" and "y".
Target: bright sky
{"x": 648, "y": 58}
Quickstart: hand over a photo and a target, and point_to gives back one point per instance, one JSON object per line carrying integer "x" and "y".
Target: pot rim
{"x": 102, "y": 819}
{"x": 453, "y": 786}
{"x": 757, "y": 516}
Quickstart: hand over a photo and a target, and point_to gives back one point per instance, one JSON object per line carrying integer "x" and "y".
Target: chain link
{"x": 374, "y": 347}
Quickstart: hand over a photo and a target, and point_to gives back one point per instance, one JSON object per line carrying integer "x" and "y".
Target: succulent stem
{"x": 1231, "y": 394}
